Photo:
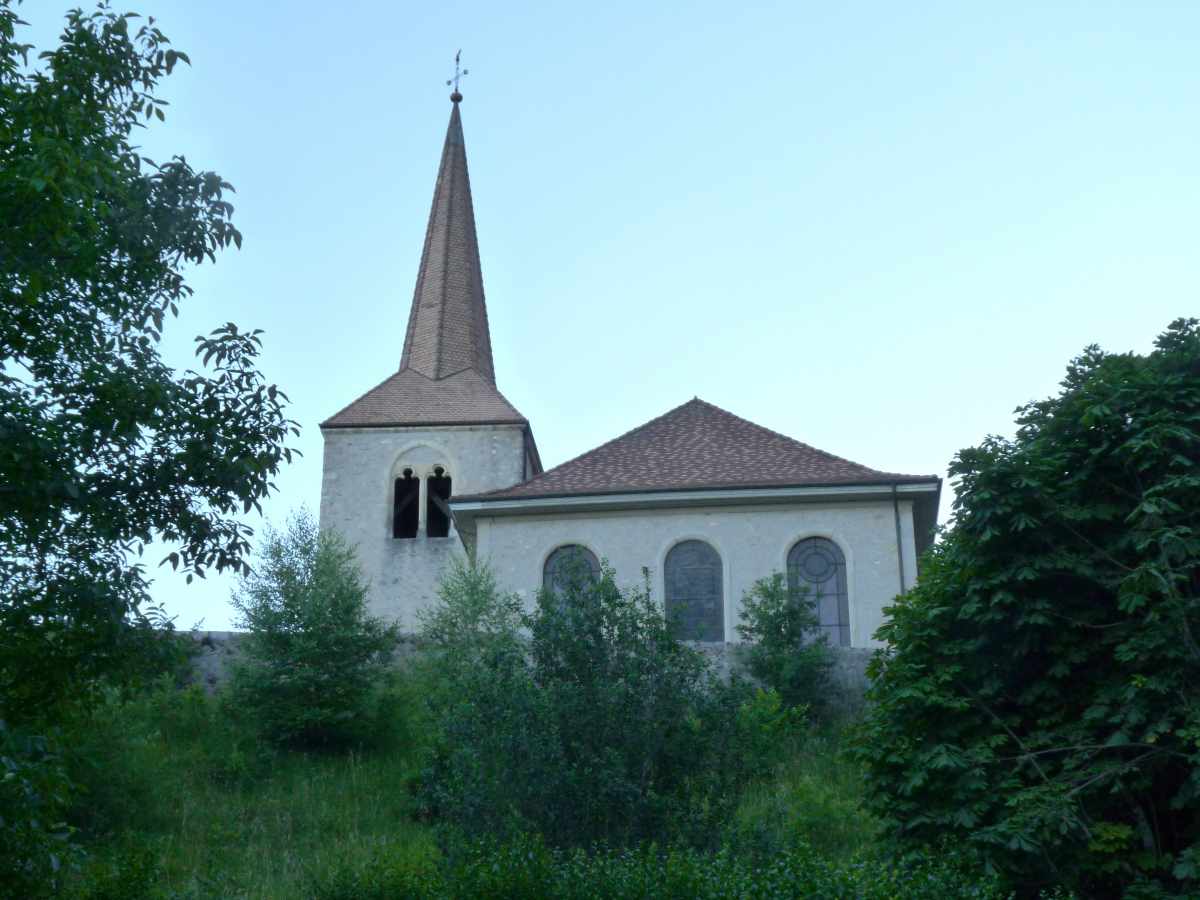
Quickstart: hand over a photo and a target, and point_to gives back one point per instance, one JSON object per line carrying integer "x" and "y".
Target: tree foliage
{"x": 584, "y": 720}
{"x": 1041, "y": 699}
{"x": 787, "y": 650}
{"x": 104, "y": 447}
{"x": 313, "y": 655}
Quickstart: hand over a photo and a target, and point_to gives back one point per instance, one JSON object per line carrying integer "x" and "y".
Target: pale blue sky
{"x": 874, "y": 227}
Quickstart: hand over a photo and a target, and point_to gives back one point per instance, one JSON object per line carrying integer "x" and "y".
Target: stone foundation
{"x": 217, "y": 650}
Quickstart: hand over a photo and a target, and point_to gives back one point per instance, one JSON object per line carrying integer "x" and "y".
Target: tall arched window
{"x": 694, "y": 594}
{"x": 568, "y": 562}
{"x": 818, "y": 566}
{"x": 406, "y": 493}
{"x": 437, "y": 503}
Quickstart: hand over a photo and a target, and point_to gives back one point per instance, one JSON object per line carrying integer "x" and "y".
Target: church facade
{"x": 434, "y": 461}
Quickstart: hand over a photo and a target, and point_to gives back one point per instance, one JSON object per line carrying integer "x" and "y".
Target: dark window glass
{"x": 437, "y": 503}
{"x": 694, "y": 593}
{"x": 568, "y": 562}
{"x": 405, "y": 505}
{"x": 817, "y": 566}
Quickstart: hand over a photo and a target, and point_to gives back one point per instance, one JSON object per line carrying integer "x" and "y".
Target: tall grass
{"x": 184, "y": 801}
{"x": 182, "y": 791}
{"x": 814, "y": 798}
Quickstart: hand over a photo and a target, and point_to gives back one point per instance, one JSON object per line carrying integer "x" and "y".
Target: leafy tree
{"x": 585, "y": 719}
{"x": 103, "y": 447}
{"x": 306, "y": 670}
{"x": 1041, "y": 698}
{"x": 35, "y": 848}
{"x": 787, "y": 650}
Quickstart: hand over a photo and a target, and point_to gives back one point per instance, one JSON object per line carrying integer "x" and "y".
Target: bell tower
{"x": 435, "y": 428}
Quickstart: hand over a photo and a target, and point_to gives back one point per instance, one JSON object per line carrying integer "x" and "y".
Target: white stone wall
{"x": 360, "y": 467}
{"x": 753, "y": 541}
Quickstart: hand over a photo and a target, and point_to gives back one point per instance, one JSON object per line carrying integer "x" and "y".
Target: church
{"x": 434, "y": 461}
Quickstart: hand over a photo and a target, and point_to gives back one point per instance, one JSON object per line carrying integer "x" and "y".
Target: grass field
{"x": 182, "y": 796}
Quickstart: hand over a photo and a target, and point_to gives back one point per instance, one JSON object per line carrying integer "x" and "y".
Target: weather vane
{"x": 458, "y": 73}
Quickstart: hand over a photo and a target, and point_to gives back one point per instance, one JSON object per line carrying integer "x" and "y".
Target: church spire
{"x": 448, "y": 327}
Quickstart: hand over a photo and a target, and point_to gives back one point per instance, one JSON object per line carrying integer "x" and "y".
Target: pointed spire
{"x": 448, "y": 327}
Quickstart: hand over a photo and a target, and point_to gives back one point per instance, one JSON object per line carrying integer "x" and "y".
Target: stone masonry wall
{"x": 218, "y": 649}
{"x": 360, "y": 465}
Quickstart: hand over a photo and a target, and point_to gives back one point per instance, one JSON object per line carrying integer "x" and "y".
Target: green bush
{"x": 599, "y": 726}
{"x": 35, "y": 792}
{"x": 787, "y": 649}
{"x": 1041, "y": 701}
{"x": 313, "y": 659}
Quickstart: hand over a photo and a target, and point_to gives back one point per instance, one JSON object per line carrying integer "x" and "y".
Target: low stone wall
{"x": 218, "y": 649}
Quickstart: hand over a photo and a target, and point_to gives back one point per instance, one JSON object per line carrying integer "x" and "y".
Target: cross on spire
{"x": 458, "y": 74}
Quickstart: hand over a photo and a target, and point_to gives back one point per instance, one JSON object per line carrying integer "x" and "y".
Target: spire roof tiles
{"x": 446, "y": 372}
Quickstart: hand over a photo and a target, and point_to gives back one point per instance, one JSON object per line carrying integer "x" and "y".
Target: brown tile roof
{"x": 409, "y": 398}
{"x": 446, "y": 373}
{"x": 697, "y": 446}
{"x": 448, "y": 325}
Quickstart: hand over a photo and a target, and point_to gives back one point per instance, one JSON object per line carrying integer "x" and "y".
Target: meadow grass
{"x": 182, "y": 795}
{"x": 183, "y": 800}
{"x": 815, "y": 797}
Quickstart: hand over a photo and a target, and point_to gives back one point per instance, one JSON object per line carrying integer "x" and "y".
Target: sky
{"x": 875, "y": 227}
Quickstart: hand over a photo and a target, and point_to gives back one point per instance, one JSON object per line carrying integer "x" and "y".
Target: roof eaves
{"x": 424, "y": 423}
{"x": 505, "y": 494}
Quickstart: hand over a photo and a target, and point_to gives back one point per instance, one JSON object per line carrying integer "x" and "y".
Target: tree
{"x": 1041, "y": 697}
{"x": 600, "y": 726}
{"x": 787, "y": 649}
{"x": 313, "y": 654}
{"x": 103, "y": 447}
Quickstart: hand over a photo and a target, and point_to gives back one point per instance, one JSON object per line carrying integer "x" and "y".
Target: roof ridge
{"x": 600, "y": 447}
{"x": 698, "y": 445}
{"x": 790, "y": 439}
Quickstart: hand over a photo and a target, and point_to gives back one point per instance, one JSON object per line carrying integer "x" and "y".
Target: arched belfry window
{"x": 437, "y": 504}
{"x": 406, "y": 505}
{"x": 818, "y": 566}
{"x": 694, "y": 594}
{"x": 567, "y": 563}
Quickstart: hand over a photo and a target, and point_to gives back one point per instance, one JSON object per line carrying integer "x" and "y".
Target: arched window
{"x": 568, "y": 562}
{"x": 818, "y": 566}
{"x": 437, "y": 503}
{"x": 694, "y": 594}
{"x": 405, "y": 505}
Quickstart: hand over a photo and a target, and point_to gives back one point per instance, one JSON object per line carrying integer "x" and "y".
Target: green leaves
{"x": 104, "y": 444}
{"x": 1068, "y": 670}
{"x": 787, "y": 650}
{"x": 313, "y": 654}
{"x": 600, "y": 726}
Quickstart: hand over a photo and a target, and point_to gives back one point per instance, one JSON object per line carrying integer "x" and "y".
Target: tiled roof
{"x": 409, "y": 398}
{"x": 448, "y": 326}
{"x": 446, "y": 374}
{"x": 697, "y": 446}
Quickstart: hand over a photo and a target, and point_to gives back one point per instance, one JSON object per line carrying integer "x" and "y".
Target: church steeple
{"x": 448, "y": 326}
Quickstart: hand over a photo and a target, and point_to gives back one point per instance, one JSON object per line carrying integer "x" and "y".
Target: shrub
{"x": 601, "y": 726}
{"x": 1041, "y": 701}
{"x": 313, "y": 656}
{"x": 35, "y": 792}
{"x": 788, "y": 650}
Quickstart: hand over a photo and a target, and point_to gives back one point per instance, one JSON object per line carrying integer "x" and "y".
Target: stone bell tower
{"x": 437, "y": 427}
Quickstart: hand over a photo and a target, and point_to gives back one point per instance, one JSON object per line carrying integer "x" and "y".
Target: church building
{"x": 435, "y": 461}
